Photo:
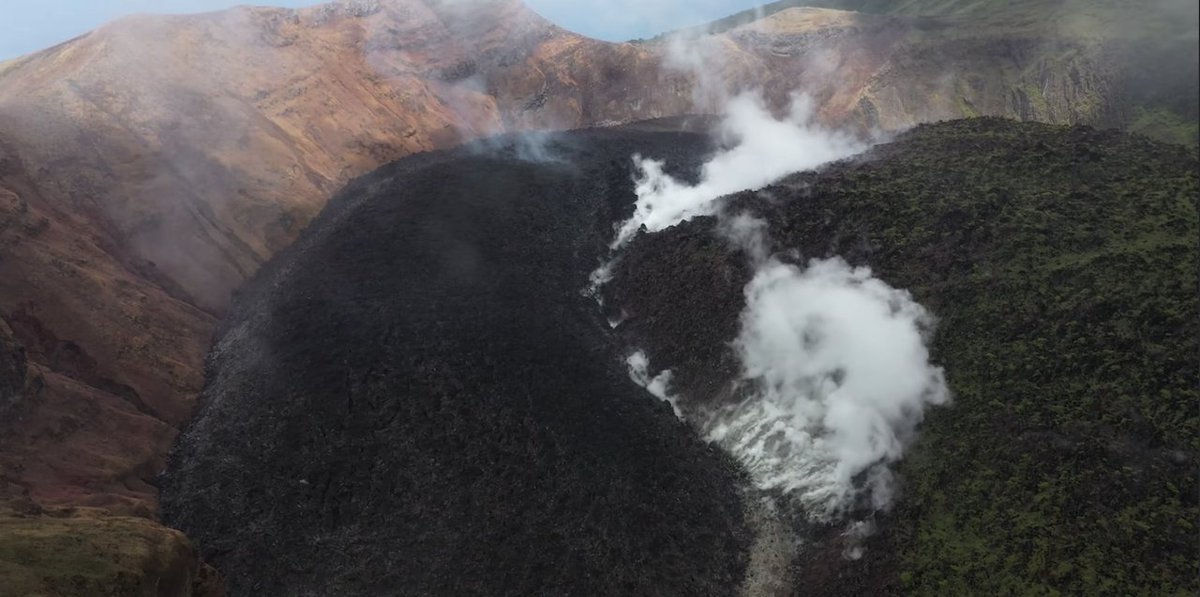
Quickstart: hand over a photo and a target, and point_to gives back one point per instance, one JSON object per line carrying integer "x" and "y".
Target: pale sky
{"x": 30, "y": 25}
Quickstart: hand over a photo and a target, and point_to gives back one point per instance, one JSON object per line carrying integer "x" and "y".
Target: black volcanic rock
{"x": 416, "y": 398}
{"x": 1062, "y": 264}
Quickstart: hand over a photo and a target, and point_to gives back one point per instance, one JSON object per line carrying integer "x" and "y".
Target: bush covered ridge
{"x": 1062, "y": 263}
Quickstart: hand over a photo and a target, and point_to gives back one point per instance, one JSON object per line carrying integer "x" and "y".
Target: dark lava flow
{"x": 415, "y": 398}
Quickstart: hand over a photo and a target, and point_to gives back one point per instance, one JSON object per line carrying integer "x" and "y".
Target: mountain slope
{"x": 431, "y": 314}
{"x": 149, "y": 167}
{"x": 153, "y": 164}
{"x": 1062, "y": 264}
{"x": 1107, "y": 63}
{"x": 417, "y": 398}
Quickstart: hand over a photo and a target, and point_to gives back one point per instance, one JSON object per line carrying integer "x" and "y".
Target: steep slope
{"x": 117, "y": 355}
{"x": 417, "y": 398}
{"x": 151, "y": 165}
{"x": 1133, "y": 65}
{"x": 1062, "y": 263}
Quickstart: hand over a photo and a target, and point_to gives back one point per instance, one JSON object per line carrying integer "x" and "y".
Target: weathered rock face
{"x": 416, "y": 397}
{"x": 118, "y": 355}
{"x": 1134, "y": 66}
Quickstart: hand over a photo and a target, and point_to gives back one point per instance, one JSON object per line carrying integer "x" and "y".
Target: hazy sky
{"x": 30, "y": 25}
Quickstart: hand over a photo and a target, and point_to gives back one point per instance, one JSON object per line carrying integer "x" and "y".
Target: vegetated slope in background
{"x": 1130, "y": 65}
{"x": 1062, "y": 263}
{"x": 417, "y": 397}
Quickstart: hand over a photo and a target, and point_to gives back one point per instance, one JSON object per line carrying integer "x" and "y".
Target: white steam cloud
{"x": 762, "y": 149}
{"x": 835, "y": 370}
{"x": 835, "y": 378}
{"x": 657, "y": 385}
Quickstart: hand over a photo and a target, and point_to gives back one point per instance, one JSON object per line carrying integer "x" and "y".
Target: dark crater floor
{"x": 416, "y": 398}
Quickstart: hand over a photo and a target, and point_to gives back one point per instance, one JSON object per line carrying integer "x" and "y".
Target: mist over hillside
{"x": 883, "y": 355}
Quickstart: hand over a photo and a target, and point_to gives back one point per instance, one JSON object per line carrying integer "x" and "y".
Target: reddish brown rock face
{"x": 149, "y": 167}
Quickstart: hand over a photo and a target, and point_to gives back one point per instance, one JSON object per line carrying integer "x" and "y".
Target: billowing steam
{"x": 639, "y": 371}
{"x": 835, "y": 378}
{"x": 762, "y": 149}
{"x": 835, "y": 372}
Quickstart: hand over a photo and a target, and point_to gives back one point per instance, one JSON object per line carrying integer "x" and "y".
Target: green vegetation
{"x": 78, "y": 552}
{"x": 1063, "y": 265}
{"x": 1164, "y": 124}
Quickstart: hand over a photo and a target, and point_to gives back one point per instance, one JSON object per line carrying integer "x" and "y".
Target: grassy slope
{"x": 82, "y": 553}
{"x": 1064, "y": 266}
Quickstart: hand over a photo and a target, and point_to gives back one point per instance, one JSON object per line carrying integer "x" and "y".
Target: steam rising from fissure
{"x": 835, "y": 378}
{"x": 762, "y": 149}
{"x": 835, "y": 373}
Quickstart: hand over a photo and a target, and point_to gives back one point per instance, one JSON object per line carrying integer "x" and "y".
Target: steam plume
{"x": 835, "y": 372}
{"x": 761, "y": 149}
{"x": 835, "y": 378}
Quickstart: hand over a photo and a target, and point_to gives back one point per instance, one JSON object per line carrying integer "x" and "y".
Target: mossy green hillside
{"x": 1063, "y": 265}
{"x": 82, "y": 552}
